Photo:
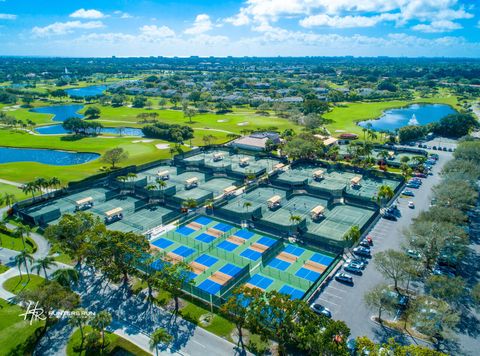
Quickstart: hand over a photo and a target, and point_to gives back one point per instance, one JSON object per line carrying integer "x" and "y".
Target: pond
{"x": 59, "y": 130}
{"x": 416, "y": 114}
{"x": 45, "y": 156}
{"x": 60, "y": 112}
{"x": 92, "y": 90}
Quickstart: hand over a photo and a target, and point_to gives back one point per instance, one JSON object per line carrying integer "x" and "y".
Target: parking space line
{"x": 332, "y": 295}
{"x": 329, "y": 302}
{"x": 340, "y": 290}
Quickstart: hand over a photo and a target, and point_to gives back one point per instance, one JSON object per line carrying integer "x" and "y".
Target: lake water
{"x": 59, "y": 130}
{"x": 51, "y": 157}
{"x": 416, "y": 114}
{"x": 92, "y": 90}
{"x": 61, "y": 112}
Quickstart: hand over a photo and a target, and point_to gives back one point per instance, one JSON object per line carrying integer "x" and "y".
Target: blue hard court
{"x": 210, "y": 286}
{"x": 185, "y": 230}
{"x": 251, "y": 255}
{"x": 183, "y": 251}
{"x": 260, "y": 281}
{"x": 293, "y": 250}
{"x": 227, "y": 245}
{"x": 202, "y": 220}
{"x": 307, "y": 274}
{"x": 206, "y": 260}
{"x": 294, "y": 293}
{"x": 279, "y": 264}
{"x": 266, "y": 241}
{"x": 162, "y": 243}
{"x": 230, "y": 269}
{"x": 322, "y": 259}
{"x": 205, "y": 238}
{"x": 223, "y": 227}
{"x": 244, "y": 234}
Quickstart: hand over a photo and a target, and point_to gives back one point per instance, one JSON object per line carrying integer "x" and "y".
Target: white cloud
{"x": 8, "y": 17}
{"x": 154, "y": 32}
{"x": 437, "y": 26}
{"x": 123, "y": 15}
{"x": 345, "y": 21}
{"x": 87, "y": 14}
{"x": 62, "y": 28}
{"x": 348, "y": 13}
{"x": 201, "y": 24}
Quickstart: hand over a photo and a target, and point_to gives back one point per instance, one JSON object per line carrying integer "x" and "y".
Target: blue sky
{"x": 240, "y": 28}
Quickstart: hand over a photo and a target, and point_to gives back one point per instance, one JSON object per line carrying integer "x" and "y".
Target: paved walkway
{"x": 9, "y": 182}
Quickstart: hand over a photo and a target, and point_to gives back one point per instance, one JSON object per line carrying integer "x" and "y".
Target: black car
{"x": 364, "y": 243}
{"x": 389, "y": 216}
{"x": 362, "y": 251}
{"x": 344, "y": 278}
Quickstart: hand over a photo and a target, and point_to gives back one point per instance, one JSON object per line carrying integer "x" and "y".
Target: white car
{"x": 411, "y": 205}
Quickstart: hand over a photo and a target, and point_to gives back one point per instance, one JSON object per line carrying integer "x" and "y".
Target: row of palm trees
{"x": 41, "y": 185}
{"x": 8, "y": 199}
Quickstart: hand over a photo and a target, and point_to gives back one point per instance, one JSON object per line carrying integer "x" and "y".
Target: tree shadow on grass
{"x": 72, "y": 138}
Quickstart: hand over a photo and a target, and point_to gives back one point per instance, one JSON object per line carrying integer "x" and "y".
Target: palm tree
{"x": 405, "y": 168}
{"x": 67, "y": 277}
{"x": 295, "y": 219}
{"x": 55, "y": 182}
{"x": 247, "y": 205}
{"x": 333, "y": 152}
{"x": 100, "y": 322}
{"x": 190, "y": 203}
{"x": 131, "y": 176}
{"x": 159, "y": 336}
{"x": 352, "y": 236}
{"x": 8, "y": 199}
{"x": 22, "y": 259}
{"x": 385, "y": 193}
{"x": 78, "y": 319}
{"x": 29, "y": 188}
{"x": 364, "y": 129}
{"x": 44, "y": 264}
{"x": 161, "y": 183}
{"x": 22, "y": 231}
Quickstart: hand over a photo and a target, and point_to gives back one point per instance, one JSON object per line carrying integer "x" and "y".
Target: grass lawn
{"x": 10, "y": 189}
{"x": 25, "y": 171}
{"x": 114, "y": 345}
{"x": 16, "y": 284}
{"x": 16, "y": 244}
{"x": 3, "y": 268}
{"x": 218, "y": 325}
{"x": 345, "y": 117}
{"x": 17, "y": 336}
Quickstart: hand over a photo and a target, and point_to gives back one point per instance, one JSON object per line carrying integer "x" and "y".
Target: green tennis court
{"x": 369, "y": 187}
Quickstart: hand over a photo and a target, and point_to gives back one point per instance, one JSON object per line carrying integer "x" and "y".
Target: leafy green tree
{"x": 449, "y": 289}
{"x": 117, "y": 253}
{"x": 384, "y": 194}
{"x": 352, "y": 236}
{"x": 392, "y": 265}
{"x": 22, "y": 231}
{"x": 378, "y": 298}
{"x": 114, "y": 156}
{"x": 139, "y": 102}
{"x": 457, "y": 194}
{"x": 44, "y": 264}
{"x": 75, "y": 234}
{"x": 189, "y": 114}
{"x": 92, "y": 113}
{"x": 50, "y": 296}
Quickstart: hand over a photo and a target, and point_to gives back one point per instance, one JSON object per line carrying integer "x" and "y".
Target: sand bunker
{"x": 142, "y": 141}
{"x": 162, "y": 146}
{"x": 245, "y": 123}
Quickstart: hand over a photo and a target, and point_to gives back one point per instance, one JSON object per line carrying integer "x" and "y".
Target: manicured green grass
{"x": 347, "y": 115}
{"x": 3, "y": 268}
{"x": 114, "y": 344}
{"x": 10, "y": 189}
{"x": 16, "y": 244}
{"x": 218, "y": 326}
{"x": 16, "y": 284}
{"x": 17, "y": 336}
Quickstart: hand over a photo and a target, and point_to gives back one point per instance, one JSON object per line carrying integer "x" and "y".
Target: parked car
{"x": 411, "y": 205}
{"x": 344, "y": 278}
{"x": 362, "y": 251}
{"x": 420, "y": 175}
{"x": 412, "y": 185}
{"x": 320, "y": 309}
{"x": 413, "y": 254}
{"x": 389, "y": 216}
{"x": 365, "y": 243}
{"x": 400, "y": 300}
{"x": 360, "y": 261}
{"x": 355, "y": 264}
{"x": 408, "y": 193}
{"x": 444, "y": 271}
{"x": 450, "y": 150}
{"x": 352, "y": 269}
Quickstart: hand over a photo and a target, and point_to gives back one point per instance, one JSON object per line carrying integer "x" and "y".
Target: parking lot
{"x": 346, "y": 302}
